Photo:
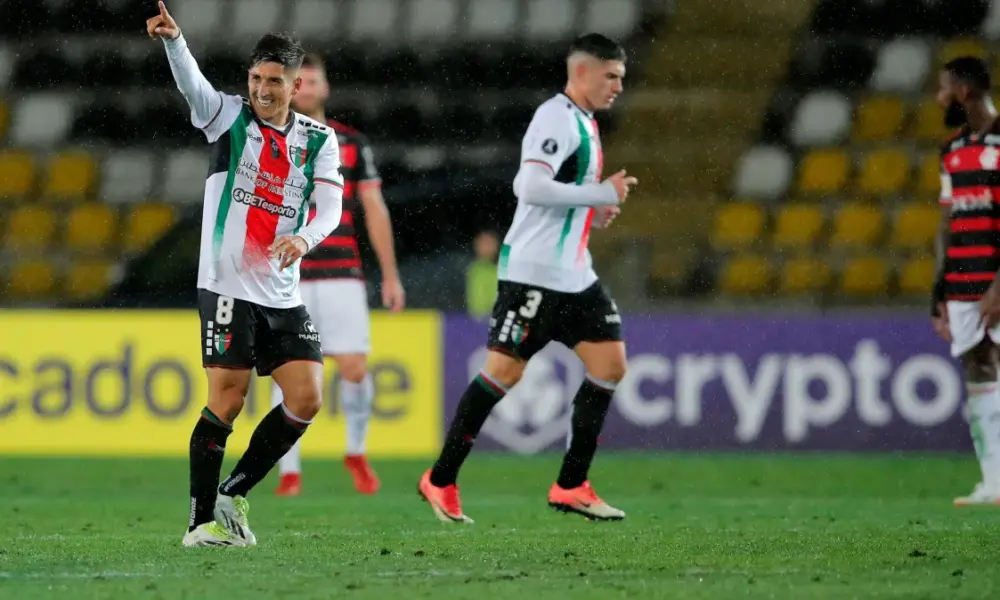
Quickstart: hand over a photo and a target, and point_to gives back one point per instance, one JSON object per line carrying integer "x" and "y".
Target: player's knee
{"x": 304, "y": 401}
{"x": 979, "y": 363}
{"x": 227, "y": 391}
{"x": 353, "y": 368}
{"x": 504, "y": 369}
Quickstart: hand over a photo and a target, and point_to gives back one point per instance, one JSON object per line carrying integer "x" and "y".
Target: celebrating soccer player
{"x": 267, "y": 164}
{"x": 333, "y": 285}
{"x": 547, "y": 289}
{"x": 966, "y": 300}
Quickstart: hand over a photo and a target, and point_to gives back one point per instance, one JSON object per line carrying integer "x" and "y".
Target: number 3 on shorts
{"x": 530, "y": 308}
{"x": 224, "y": 311}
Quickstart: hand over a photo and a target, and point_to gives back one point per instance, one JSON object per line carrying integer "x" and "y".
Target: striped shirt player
{"x": 970, "y": 191}
{"x": 261, "y": 180}
{"x": 547, "y": 288}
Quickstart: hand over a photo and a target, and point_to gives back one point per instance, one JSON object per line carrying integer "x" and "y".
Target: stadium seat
{"x": 823, "y": 172}
{"x": 17, "y": 174}
{"x": 126, "y": 176}
{"x": 879, "y": 118}
{"x": 953, "y": 49}
{"x": 763, "y": 172}
{"x": 91, "y": 227}
{"x": 991, "y": 24}
{"x": 821, "y": 118}
{"x": 70, "y": 176}
{"x": 929, "y": 179}
{"x": 916, "y": 225}
{"x": 798, "y": 226}
{"x": 316, "y": 19}
{"x": 253, "y": 18}
{"x": 88, "y": 279}
{"x": 803, "y": 275}
{"x": 865, "y": 276}
{"x": 746, "y": 275}
{"x": 857, "y": 226}
{"x": 550, "y": 20}
{"x": 373, "y": 19}
{"x": 928, "y": 123}
{"x": 432, "y": 19}
{"x": 184, "y": 181}
{"x": 884, "y": 172}
{"x": 30, "y": 229}
{"x": 916, "y": 276}
{"x": 41, "y": 120}
{"x": 202, "y": 19}
{"x": 31, "y": 279}
{"x": 491, "y": 19}
{"x": 7, "y": 60}
{"x": 145, "y": 224}
{"x": 615, "y": 18}
{"x": 737, "y": 225}
{"x": 903, "y": 65}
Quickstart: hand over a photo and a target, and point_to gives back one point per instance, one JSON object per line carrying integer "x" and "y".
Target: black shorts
{"x": 527, "y": 317}
{"x": 237, "y": 334}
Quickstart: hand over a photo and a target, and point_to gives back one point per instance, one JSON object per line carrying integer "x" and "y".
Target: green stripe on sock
{"x": 210, "y": 416}
{"x": 489, "y": 386}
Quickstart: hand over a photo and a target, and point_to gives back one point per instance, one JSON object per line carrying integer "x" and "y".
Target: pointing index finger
{"x": 163, "y": 9}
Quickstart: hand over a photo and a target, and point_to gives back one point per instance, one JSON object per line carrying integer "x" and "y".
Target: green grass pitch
{"x": 709, "y": 526}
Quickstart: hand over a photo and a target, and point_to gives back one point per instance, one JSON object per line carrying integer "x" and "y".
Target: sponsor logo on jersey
{"x": 550, "y": 146}
{"x": 275, "y": 149}
{"x": 256, "y": 138}
{"x": 310, "y": 332}
{"x": 965, "y": 202}
{"x": 244, "y": 197}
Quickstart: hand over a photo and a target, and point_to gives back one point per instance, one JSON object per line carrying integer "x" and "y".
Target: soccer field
{"x": 713, "y": 526}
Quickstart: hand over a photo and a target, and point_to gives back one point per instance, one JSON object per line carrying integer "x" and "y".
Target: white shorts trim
{"x": 339, "y": 311}
{"x": 967, "y": 331}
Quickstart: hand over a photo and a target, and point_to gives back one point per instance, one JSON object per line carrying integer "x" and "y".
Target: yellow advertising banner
{"x": 130, "y": 383}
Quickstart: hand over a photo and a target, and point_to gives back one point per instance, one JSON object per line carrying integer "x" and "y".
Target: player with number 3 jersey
{"x": 547, "y": 288}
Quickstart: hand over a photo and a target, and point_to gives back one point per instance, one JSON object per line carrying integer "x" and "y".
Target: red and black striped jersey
{"x": 337, "y": 256}
{"x": 970, "y": 186}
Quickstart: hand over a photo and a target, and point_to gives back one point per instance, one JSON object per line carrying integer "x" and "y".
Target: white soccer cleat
{"x": 981, "y": 495}
{"x": 210, "y": 534}
{"x": 231, "y": 513}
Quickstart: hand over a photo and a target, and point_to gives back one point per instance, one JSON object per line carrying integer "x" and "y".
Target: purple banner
{"x": 874, "y": 383}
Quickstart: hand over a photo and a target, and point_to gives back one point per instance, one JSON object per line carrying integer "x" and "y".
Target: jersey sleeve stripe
{"x": 328, "y": 182}
{"x": 222, "y": 102}
{"x": 541, "y": 162}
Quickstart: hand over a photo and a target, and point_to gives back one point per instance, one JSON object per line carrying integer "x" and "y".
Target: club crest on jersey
{"x": 988, "y": 158}
{"x": 519, "y": 333}
{"x": 297, "y": 155}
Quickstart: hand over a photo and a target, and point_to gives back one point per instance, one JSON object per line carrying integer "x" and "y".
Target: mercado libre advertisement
{"x": 130, "y": 383}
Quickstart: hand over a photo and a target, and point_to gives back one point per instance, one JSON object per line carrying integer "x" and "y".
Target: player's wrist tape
{"x": 937, "y": 296}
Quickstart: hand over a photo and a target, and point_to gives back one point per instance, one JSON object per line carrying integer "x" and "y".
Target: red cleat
{"x": 365, "y": 479}
{"x": 445, "y": 501}
{"x": 290, "y": 484}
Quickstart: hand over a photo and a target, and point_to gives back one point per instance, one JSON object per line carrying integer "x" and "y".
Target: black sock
{"x": 274, "y": 436}
{"x": 473, "y": 410}
{"x": 590, "y": 406}
{"x": 207, "y": 449}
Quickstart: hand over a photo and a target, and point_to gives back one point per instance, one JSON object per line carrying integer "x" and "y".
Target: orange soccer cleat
{"x": 290, "y": 484}
{"x": 365, "y": 479}
{"x": 444, "y": 500}
{"x": 583, "y": 500}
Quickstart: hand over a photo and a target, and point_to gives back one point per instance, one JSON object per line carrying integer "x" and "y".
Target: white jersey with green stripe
{"x": 259, "y": 184}
{"x": 546, "y": 245}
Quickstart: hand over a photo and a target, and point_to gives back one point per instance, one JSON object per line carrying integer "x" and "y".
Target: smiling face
{"x": 272, "y": 86}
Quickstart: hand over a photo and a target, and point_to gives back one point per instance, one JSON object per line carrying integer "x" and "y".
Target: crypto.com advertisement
{"x": 867, "y": 383}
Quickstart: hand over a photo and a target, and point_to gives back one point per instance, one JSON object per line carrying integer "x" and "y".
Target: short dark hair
{"x": 598, "y": 46}
{"x": 280, "y": 48}
{"x": 970, "y": 70}
{"x": 311, "y": 59}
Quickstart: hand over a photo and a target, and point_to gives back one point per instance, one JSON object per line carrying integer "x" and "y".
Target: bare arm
{"x": 379, "y": 227}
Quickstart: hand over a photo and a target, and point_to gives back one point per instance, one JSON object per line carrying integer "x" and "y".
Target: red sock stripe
{"x": 490, "y": 386}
